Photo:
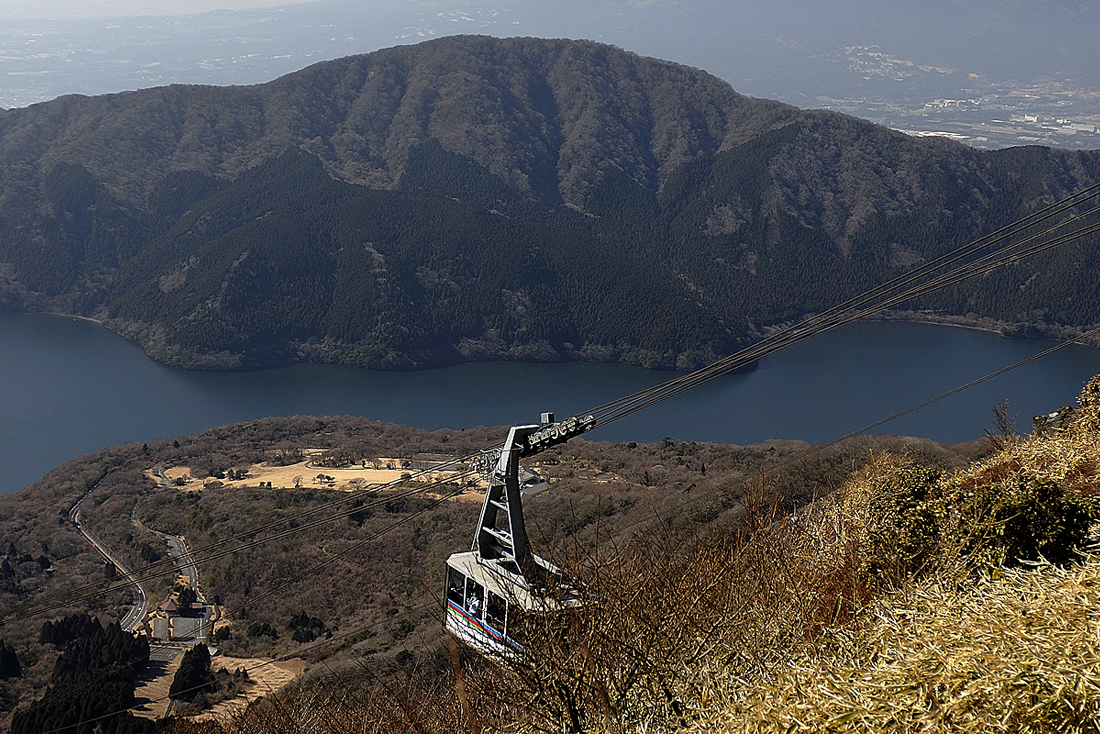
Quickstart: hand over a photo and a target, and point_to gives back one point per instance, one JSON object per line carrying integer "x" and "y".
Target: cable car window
{"x": 474, "y": 598}
{"x": 496, "y": 614}
{"x": 456, "y": 584}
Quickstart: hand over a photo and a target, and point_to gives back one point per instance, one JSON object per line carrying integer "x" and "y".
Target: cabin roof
{"x": 510, "y": 585}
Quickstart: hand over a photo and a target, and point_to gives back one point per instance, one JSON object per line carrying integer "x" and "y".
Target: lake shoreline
{"x": 1004, "y": 329}
{"x": 70, "y": 388}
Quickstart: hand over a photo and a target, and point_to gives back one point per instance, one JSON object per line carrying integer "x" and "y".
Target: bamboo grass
{"x": 1017, "y": 651}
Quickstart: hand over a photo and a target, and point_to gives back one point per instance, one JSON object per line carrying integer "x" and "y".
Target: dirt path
{"x": 267, "y": 677}
{"x": 151, "y": 697}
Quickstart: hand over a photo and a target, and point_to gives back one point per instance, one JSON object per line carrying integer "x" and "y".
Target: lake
{"x": 69, "y": 387}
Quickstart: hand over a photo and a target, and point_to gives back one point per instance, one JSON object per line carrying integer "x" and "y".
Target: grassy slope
{"x": 1010, "y": 649}
{"x": 912, "y": 598}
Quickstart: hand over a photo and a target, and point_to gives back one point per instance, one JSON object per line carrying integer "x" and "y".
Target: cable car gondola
{"x": 499, "y": 581}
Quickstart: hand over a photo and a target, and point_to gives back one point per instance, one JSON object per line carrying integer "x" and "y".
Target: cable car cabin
{"x": 499, "y": 582}
{"x": 487, "y": 599}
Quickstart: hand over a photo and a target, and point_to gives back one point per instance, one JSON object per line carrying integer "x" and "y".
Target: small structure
{"x": 173, "y": 622}
{"x": 1044, "y": 425}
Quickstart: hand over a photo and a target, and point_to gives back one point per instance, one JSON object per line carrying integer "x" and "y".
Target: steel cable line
{"x": 949, "y": 393}
{"x": 948, "y": 279}
{"x": 809, "y": 451}
{"x": 908, "y": 277}
{"x": 792, "y": 335}
{"x": 797, "y": 334}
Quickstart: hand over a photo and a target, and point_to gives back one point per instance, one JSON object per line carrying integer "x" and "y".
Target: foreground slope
{"x": 1010, "y": 649}
{"x": 476, "y": 198}
{"x": 247, "y": 497}
{"x": 914, "y": 598}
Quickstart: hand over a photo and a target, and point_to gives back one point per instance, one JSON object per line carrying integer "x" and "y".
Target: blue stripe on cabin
{"x": 478, "y": 625}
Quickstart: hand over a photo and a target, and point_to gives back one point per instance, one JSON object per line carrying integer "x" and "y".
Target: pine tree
{"x": 194, "y": 675}
{"x": 9, "y": 662}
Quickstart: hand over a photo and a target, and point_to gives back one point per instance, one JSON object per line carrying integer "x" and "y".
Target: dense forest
{"x": 93, "y": 680}
{"x": 473, "y": 198}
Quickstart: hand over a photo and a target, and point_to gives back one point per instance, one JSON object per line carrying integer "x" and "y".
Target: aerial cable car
{"x": 499, "y": 581}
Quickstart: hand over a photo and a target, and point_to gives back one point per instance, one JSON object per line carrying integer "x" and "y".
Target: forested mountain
{"x": 477, "y": 198}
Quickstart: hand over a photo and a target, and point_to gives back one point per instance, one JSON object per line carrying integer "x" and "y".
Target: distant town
{"x": 44, "y": 59}
{"x": 974, "y": 110}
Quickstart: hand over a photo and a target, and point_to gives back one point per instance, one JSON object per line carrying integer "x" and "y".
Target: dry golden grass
{"x": 1017, "y": 653}
{"x": 302, "y": 473}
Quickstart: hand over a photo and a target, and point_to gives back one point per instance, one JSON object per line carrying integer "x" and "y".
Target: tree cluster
{"x": 194, "y": 676}
{"x": 93, "y": 681}
{"x": 9, "y": 662}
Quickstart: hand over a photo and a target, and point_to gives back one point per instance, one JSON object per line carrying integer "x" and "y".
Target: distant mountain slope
{"x": 286, "y": 264}
{"x": 473, "y": 198}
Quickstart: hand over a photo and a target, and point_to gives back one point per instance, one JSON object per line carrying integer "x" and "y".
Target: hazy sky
{"x": 928, "y": 66}
{"x": 114, "y": 8}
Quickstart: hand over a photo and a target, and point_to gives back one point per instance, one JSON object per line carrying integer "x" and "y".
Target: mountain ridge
{"x": 398, "y": 80}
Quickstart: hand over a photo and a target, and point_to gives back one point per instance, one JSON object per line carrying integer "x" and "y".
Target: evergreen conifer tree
{"x": 194, "y": 675}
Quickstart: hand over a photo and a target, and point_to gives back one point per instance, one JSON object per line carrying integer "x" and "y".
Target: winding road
{"x": 131, "y": 619}
{"x": 177, "y": 548}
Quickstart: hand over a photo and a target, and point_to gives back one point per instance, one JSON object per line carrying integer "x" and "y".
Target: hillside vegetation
{"x": 473, "y": 198}
{"x": 911, "y": 599}
{"x": 339, "y": 593}
{"x": 736, "y": 586}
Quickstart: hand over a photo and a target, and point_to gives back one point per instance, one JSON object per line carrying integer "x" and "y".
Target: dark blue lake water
{"x": 69, "y": 387}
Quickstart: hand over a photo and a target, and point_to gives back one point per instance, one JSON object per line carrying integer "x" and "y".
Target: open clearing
{"x": 267, "y": 677}
{"x": 302, "y": 474}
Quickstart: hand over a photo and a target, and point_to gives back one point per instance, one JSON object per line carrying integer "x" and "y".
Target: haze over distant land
{"x": 121, "y": 8}
{"x": 990, "y": 74}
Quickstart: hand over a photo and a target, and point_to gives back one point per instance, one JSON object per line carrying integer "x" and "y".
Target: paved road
{"x": 133, "y": 618}
{"x": 163, "y": 653}
{"x": 177, "y": 547}
{"x": 182, "y": 557}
